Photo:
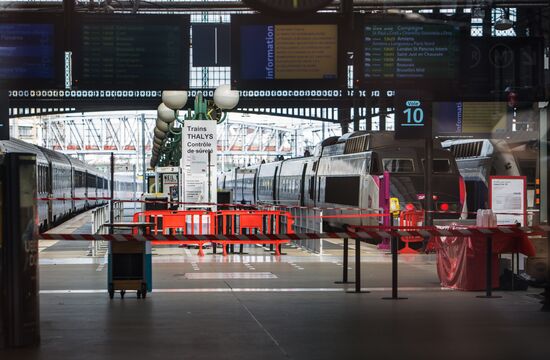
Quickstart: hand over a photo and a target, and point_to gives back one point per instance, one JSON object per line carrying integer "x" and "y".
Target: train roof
{"x": 55, "y": 156}
{"x": 361, "y": 141}
{"x": 18, "y": 146}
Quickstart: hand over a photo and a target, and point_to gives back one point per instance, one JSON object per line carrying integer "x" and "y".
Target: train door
{"x": 275, "y": 184}
{"x": 49, "y": 189}
{"x": 369, "y": 191}
{"x": 302, "y": 186}
{"x": 254, "y": 181}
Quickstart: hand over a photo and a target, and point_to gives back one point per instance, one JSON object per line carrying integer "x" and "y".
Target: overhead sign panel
{"x": 286, "y": 53}
{"x": 503, "y": 69}
{"x": 413, "y": 115}
{"x": 131, "y": 52}
{"x": 31, "y": 51}
{"x": 409, "y": 55}
{"x": 211, "y": 44}
{"x": 470, "y": 118}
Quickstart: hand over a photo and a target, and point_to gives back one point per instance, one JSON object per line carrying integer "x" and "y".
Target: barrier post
{"x": 394, "y": 270}
{"x": 345, "y": 265}
{"x": 358, "y": 268}
{"x": 489, "y": 271}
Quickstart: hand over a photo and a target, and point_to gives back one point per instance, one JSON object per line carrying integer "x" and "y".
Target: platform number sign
{"x": 413, "y": 116}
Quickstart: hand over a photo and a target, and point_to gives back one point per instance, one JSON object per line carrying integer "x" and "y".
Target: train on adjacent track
{"x": 479, "y": 159}
{"x": 72, "y": 185}
{"x": 344, "y": 172}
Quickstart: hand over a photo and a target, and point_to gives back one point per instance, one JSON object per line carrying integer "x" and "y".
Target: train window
{"x": 398, "y": 165}
{"x": 440, "y": 166}
{"x": 342, "y": 190}
{"x": 374, "y": 164}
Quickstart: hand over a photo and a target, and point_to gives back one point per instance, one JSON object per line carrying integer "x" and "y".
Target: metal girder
{"x": 163, "y": 6}
{"x": 240, "y": 139}
{"x": 95, "y": 134}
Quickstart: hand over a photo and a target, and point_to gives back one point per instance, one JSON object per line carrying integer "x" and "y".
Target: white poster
{"x": 199, "y": 160}
{"x": 508, "y": 199}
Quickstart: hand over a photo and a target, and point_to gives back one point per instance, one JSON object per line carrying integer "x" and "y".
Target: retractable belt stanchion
{"x": 357, "y": 268}
{"x": 394, "y": 273}
{"x": 345, "y": 265}
{"x": 489, "y": 271}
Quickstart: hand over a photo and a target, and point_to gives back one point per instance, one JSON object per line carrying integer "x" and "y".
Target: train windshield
{"x": 398, "y": 165}
{"x": 441, "y": 166}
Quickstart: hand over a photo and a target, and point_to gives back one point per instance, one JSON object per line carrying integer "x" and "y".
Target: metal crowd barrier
{"x": 100, "y": 217}
{"x": 224, "y": 224}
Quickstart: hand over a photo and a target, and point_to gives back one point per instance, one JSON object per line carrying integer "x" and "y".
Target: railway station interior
{"x": 274, "y": 179}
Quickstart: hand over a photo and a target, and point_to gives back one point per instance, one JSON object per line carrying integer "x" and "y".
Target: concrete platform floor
{"x": 295, "y": 311}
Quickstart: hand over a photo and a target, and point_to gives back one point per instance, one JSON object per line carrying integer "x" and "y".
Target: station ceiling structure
{"x": 349, "y": 106}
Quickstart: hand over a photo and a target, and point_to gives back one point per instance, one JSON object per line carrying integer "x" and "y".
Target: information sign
{"x": 508, "y": 200}
{"x": 472, "y": 118}
{"x": 286, "y": 53}
{"x": 199, "y": 162}
{"x": 31, "y": 51}
{"x": 413, "y": 116}
{"x": 409, "y": 55}
{"x": 498, "y": 68}
{"x": 131, "y": 52}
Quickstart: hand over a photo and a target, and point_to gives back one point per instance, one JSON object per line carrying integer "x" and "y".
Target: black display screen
{"x": 131, "y": 52}
{"x": 31, "y": 51}
{"x": 494, "y": 68}
{"x": 408, "y": 55}
{"x": 271, "y": 53}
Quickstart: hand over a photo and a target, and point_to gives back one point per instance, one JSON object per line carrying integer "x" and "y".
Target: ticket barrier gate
{"x": 19, "y": 299}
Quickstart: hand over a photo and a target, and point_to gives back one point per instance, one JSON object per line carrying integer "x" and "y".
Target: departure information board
{"x": 285, "y": 54}
{"x": 408, "y": 55}
{"x": 132, "y": 52}
{"x": 30, "y": 52}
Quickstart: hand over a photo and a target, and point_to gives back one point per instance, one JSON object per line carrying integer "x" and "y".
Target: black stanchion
{"x": 357, "y": 268}
{"x": 345, "y": 265}
{"x": 394, "y": 273}
{"x": 489, "y": 272}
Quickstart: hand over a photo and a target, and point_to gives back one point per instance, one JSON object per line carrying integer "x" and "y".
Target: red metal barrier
{"x": 225, "y": 222}
{"x": 175, "y": 222}
{"x": 251, "y": 222}
{"x": 413, "y": 219}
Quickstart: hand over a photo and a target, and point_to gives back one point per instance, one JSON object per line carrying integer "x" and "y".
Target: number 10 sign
{"x": 413, "y": 116}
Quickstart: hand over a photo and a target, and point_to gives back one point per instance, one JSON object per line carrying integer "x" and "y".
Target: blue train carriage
{"x": 42, "y": 174}
{"x": 60, "y": 184}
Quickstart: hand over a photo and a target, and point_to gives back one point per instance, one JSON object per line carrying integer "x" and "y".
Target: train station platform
{"x": 256, "y": 305}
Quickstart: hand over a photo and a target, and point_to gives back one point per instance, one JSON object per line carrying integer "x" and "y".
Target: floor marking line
{"x": 285, "y": 354}
{"x": 244, "y": 290}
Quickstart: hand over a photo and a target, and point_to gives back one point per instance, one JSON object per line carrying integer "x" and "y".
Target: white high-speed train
{"x": 344, "y": 173}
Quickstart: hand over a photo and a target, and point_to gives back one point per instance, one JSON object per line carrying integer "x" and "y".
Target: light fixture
{"x": 173, "y": 99}
{"x": 225, "y": 98}
{"x": 504, "y": 23}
